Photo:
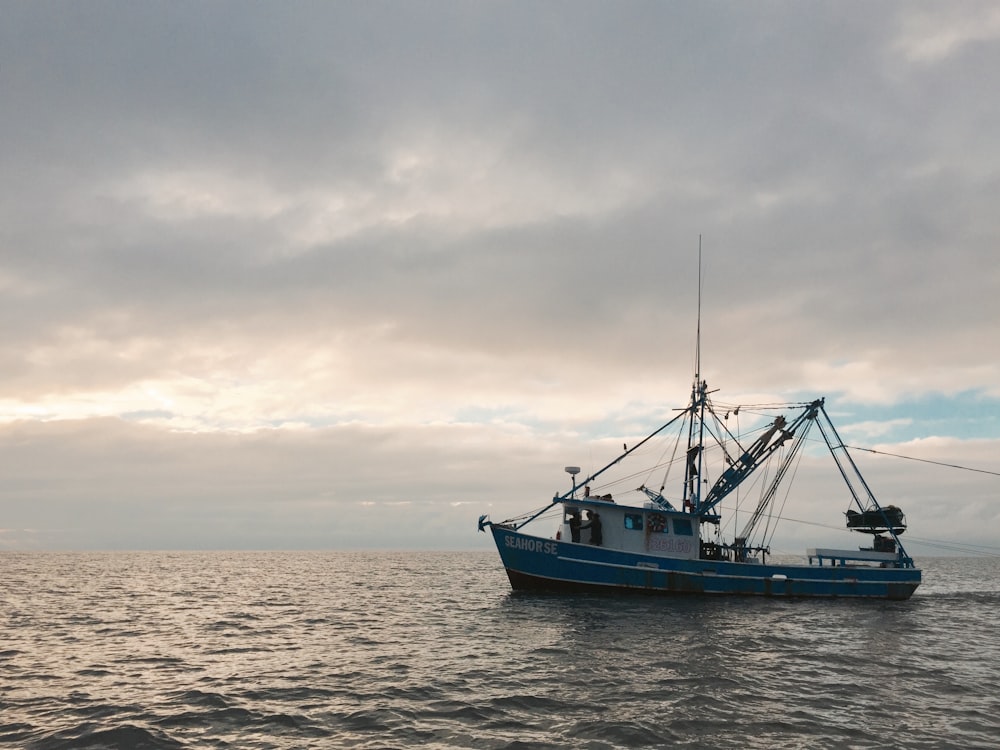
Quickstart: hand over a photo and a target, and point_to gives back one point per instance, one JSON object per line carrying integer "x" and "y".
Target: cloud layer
{"x": 265, "y": 273}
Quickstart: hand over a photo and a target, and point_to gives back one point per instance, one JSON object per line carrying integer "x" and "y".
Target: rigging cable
{"x": 924, "y": 460}
{"x": 766, "y": 539}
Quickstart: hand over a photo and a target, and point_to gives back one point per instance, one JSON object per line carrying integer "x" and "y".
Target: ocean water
{"x": 399, "y": 650}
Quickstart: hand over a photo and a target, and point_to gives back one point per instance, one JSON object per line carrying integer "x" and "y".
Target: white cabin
{"x": 648, "y": 530}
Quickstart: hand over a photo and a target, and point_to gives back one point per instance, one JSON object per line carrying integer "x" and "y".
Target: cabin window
{"x": 633, "y": 521}
{"x": 682, "y": 526}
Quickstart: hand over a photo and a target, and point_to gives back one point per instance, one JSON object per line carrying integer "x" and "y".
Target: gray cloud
{"x": 229, "y": 218}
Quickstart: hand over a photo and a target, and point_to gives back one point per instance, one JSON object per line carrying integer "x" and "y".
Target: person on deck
{"x": 574, "y": 525}
{"x": 594, "y": 524}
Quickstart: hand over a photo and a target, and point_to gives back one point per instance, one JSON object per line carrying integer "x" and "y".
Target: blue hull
{"x": 533, "y": 563}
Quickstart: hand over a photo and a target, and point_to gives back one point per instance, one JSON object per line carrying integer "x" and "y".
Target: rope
{"x": 924, "y": 460}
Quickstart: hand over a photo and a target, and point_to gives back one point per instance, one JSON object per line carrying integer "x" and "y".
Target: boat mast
{"x": 692, "y": 480}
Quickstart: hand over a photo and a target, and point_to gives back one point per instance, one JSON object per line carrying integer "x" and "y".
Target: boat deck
{"x": 844, "y": 557}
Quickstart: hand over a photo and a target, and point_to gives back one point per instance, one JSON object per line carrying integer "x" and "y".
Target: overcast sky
{"x": 347, "y": 275}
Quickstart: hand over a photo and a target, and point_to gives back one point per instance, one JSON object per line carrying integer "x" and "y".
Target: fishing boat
{"x": 590, "y": 539}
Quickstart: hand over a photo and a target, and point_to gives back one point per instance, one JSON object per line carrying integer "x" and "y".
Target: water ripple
{"x": 390, "y": 650}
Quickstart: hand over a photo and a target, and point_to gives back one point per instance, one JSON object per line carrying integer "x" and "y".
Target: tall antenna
{"x": 697, "y": 346}
{"x": 693, "y": 474}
